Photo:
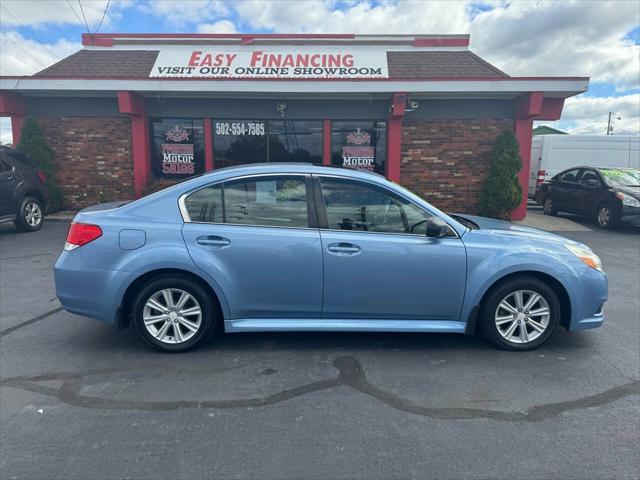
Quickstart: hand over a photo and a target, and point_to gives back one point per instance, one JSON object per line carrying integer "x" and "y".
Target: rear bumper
{"x": 91, "y": 292}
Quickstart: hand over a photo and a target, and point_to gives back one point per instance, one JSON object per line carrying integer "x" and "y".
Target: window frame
{"x": 312, "y": 219}
{"x": 322, "y": 212}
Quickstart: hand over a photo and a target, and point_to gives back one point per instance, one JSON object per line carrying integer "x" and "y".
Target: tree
{"x": 34, "y": 146}
{"x": 502, "y": 192}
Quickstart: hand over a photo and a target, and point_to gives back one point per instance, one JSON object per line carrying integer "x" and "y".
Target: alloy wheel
{"x": 172, "y": 315}
{"x": 522, "y": 316}
{"x": 32, "y": 214}
{"x": 548, "y": 206}
{"x": 604, "y": 216}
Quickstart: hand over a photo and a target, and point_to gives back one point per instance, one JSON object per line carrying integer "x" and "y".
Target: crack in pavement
{"x": 351, "y": 374}
{"x": 35, "y": 319}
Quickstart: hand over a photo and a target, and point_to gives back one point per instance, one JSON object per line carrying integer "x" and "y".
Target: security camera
{"x": 413, "y": 105}
{"x": 281, "y": 108}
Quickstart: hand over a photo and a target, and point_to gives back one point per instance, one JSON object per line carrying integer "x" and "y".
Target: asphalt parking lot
{"x": 79, "y": 399}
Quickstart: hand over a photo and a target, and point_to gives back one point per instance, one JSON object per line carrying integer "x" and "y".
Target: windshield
{"x": 621, "y": 177}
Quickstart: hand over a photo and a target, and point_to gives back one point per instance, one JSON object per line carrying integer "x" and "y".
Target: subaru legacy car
{"x": 294, "y": 247}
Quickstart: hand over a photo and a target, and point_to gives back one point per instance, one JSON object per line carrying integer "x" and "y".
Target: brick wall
{"x": 92, "y": 158}
{"x": 446, "y": 161}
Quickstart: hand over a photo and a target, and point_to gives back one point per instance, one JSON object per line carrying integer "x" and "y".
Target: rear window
{"x": 14, "y": 155}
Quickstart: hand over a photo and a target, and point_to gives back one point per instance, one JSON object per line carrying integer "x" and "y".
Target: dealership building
{"x": 131, "y": 113}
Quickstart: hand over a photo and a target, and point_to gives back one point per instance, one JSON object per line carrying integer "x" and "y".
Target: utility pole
{"x": 609, "y": 125}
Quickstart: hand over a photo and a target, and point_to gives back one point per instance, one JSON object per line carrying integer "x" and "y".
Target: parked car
{"x": 23, "y": 191}
{"x": 552, "y": 154}
{"x": 283, "y": 247}
{"x": 609, "y": 195}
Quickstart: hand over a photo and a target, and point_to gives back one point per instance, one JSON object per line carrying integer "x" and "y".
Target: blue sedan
{"x": 294, "y": 247}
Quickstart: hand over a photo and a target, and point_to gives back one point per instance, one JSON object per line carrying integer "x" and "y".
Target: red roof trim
{"x": 393, "y": 79}
{"x": 99, "y": 38}
{"x": 441, "y": 42}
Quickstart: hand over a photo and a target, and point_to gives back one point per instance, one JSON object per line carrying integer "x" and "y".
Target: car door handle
{"x": 343, "y": 248}
{"x": 213, "y": 241}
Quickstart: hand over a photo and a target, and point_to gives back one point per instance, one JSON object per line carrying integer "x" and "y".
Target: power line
{"x": 25, "y": 51}
{"x": 74, "y": 12}
{"x": 103, "y": 15}
{"x": 83, "y": 17}
{"x": 32, "y": 34}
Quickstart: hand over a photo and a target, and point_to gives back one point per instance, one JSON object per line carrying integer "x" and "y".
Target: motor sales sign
{"x": 219, "y": 62}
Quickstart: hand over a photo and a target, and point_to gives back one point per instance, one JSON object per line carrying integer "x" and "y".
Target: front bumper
{"x": 630, "y": 215}
{"x": 588, "y": 293}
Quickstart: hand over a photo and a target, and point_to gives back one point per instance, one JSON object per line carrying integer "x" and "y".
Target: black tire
{"x": 208, "y": 320}
{"x": 27, "y": 220}
{"x": 606, "y": 216}
{"x": 489, "y": 311}
{"x": 549, "y": 207}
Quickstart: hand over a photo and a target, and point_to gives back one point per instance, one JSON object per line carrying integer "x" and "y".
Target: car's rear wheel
{"x": 549, "y": 207}
{"x": 520, "y": 314}
{"x": 173, "y": 313}
{"x": 606, "y": 216}
{"x": 30, "y": 215}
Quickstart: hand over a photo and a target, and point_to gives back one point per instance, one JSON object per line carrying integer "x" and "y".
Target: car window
{"x": 589, "y": 175}
{"x": 269, "y": 201}
{"x": 3, "y": 166}
{"x": 621, "y": 177}
{"x": 20, "y": 157}
{"x": 359, "y": 206}
{"x": 205, "y": 205}
{"x": 570, "y": 176}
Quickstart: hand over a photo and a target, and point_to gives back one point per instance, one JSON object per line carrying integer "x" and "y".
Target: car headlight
{"x": 586, "y": 255}
{"x": 628, "y": 200}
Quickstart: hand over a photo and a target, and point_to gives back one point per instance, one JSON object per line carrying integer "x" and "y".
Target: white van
{"x": 551, "y": 154}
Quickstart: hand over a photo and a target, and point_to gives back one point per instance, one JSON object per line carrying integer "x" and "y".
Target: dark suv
{"x": 23, "y": 192}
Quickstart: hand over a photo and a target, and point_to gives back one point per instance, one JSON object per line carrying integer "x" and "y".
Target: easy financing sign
{"x": 270, "y": 63}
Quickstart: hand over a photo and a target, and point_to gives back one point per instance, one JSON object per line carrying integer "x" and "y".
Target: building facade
{"x": 131, "y": 113}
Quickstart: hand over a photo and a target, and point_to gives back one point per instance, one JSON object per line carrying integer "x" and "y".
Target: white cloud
{"x": 569, "y": 38}
{"x": 39, "y": 12}
{"x": 221, "y": 26}
{"x": 184, "y": 12}
{"x": 22, "y": 56}
{"x": 317, "y": 16}
{"x": 562, "y": 39}
{"x": 589, "y": 115}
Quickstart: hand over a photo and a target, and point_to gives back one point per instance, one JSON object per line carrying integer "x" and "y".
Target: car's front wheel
{"x": 520, "y": 314}
{"x": 30, "y": 215}
{"x": 173, "y": 313}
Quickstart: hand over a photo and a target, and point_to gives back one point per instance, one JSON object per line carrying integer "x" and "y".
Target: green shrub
{"x": 34, "y": 146}
{"x": 502, "y": 192}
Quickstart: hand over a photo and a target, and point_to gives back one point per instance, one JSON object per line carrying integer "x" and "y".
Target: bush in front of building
{"x": 34, "y": 146}
{"x": 502, "y": 192}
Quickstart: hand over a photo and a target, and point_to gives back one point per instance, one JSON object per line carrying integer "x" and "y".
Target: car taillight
{"x": 81, "y": 234}
{"x": 540, "y": 178}
{"x": 42, "y": 177}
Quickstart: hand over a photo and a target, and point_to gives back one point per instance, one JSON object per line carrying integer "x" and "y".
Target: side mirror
{"x": 592, "y": 182}
{"x": 437, "y": 228}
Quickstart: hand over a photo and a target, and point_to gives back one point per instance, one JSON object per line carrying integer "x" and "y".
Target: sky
{"x": 594, "y": 38}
